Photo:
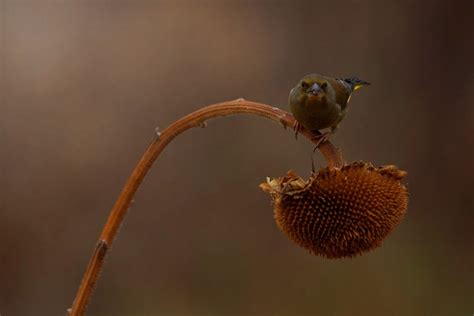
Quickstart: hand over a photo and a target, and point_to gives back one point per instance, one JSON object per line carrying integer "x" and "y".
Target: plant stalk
{"x": 196, "y": 119}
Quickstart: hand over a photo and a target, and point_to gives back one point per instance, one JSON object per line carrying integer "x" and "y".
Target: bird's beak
{"x": 359, "y": 84}
{"x": 315, "y": 89}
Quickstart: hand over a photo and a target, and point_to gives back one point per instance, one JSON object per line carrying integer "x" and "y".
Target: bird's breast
{"x": 316, "y": 115}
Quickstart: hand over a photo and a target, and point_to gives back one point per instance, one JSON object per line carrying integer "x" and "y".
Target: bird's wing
{"x": 341, "y": 117}
{"x": 343, "y": 92}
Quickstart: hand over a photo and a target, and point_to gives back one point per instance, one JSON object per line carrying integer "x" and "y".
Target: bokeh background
{"x": 85, "y": 83}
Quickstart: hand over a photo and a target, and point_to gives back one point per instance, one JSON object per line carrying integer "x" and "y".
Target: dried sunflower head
{"x": 339, "y": 212}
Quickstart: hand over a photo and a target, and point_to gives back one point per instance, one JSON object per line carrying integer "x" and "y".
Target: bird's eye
{"x": 324, "y": 85}
{"x": 304, "y": 85}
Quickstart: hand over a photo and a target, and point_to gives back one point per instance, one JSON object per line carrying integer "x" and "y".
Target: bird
{"x": 318, "y": 102}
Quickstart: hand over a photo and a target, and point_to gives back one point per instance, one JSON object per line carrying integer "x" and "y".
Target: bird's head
{"x": 312, "y": 89}
{"x": 356, "y": 83}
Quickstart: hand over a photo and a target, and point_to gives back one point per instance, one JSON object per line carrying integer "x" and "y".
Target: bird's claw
{"x": 324, "y": 137}
{"x": 296, "y": 128}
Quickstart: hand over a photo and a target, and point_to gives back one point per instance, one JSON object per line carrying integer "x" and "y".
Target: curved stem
{"x": 195, "y": 119}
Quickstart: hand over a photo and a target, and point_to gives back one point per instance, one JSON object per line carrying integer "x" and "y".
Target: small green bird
{"x": 318, "y": 102}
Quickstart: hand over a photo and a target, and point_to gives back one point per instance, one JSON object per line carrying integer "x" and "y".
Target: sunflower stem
{"x": 196, "y": 119}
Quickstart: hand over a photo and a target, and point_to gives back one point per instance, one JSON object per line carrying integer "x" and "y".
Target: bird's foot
{"x": 296, "y": 128}
{"x": 320, "y": 139}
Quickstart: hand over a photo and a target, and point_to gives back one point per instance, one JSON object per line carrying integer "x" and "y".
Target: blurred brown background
{"x": 85, "y": 83}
